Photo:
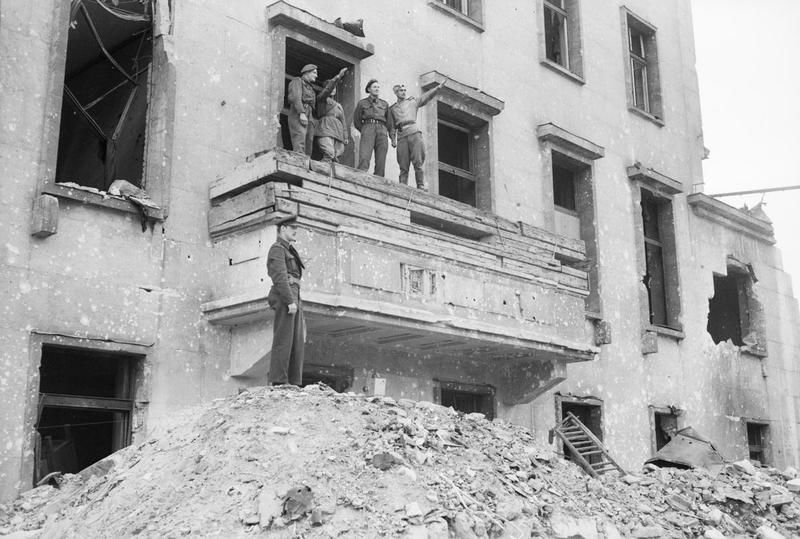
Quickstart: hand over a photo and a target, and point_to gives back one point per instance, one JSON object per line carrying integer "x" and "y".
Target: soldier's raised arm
{"x": 427, "y": 96}
{"x": 323, "y": 95}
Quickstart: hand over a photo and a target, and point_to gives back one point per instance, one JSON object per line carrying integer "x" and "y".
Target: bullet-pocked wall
{"x": 210, "y": 91}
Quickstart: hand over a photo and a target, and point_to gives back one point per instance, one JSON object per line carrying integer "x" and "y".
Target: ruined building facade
{"x": 564, "y": 258}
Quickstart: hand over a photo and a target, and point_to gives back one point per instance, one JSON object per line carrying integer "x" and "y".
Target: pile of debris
{"x": 315, "y": 463}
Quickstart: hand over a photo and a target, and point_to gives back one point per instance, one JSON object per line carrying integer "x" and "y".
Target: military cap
{"x": 308, "y": 67}
{"x": 370, "y": 83}
{"x": 291, "y": 220}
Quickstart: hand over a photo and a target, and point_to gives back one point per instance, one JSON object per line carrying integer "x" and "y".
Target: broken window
{"x": 85, "y": 407}
{"x": 757, "y": 434}
{"x": 645, "y": 93}
{"x": 467, "y": 398}
{"x": 660, "y": 276}
{"x": 733, "y": 309}
{"x": 299, "y": 54}
{"x": 104, "y": 107}
{"x": 588, "y": 413}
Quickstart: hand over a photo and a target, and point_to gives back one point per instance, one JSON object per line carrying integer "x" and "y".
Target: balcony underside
{"x": 350, "y": 319}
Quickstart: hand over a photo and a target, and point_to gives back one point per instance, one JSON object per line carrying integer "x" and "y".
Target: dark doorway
{"x": 757, "y": 442}
{"x": 340, "y": 379}
{"x": 299, "y": 54}
{"x": 468, "y": 398}
{"x": 85, "y": 407}
{"x": 591, "y": 415}
{"x": 725, "y": 311}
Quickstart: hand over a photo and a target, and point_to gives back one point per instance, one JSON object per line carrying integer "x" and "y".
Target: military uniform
{"x": 373, "y": 120}
{"x": 285, "y": 268}
{"x": 302, "y": 99}
{"x": 410, "y": 147}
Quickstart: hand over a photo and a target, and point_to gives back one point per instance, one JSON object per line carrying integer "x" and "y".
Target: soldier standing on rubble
{"x": 302, "y": 101}
{"x": 406, "y": 135}
{"x": 373, "y": 121}
{"x": 288, "y": 332}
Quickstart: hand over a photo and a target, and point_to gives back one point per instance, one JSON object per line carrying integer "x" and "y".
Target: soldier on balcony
{"x": 288, "y": 331}
{"x": 373, "y": 120}
{"x": 406, "y": 135}
{"x": 302, "y": 102}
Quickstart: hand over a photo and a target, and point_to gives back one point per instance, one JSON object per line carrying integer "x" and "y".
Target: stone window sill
{"x": 671, "y": 333}
{"x": 647, "y": 116}
{"x": 558, "y": 68}
{"x": 469, "y": 21}
{"x": 102, "y": 200}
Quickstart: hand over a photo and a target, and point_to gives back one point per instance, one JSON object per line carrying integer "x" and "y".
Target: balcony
{"x": 394, "y": 267}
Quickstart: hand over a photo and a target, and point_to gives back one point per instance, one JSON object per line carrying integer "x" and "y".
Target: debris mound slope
{"x": 289, "y": 462}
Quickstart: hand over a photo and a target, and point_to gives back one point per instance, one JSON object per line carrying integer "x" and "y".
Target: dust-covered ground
{"x": 289, "y": 462}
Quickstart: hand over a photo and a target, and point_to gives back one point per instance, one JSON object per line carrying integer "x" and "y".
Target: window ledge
{"x": 646, "y": 115}
{"x": 672, "y": 333}
{"x": 753, "y": 351}
{"x": 558, "y": 68}
{"x": 102, "y": 200}
{"x": 469, "y": 21}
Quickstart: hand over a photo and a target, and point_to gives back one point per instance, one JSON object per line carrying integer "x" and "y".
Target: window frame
{"x": 160, "y": 88}
{"x": 468, "y": 108}
{"x": 572, "y": 38}
{"x": 470, "y": 13}
{"x": 764, "y": 447}
{"x": 653, "y": 107}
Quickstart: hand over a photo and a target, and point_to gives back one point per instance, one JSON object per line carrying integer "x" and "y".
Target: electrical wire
{"x": 124, "y": 14}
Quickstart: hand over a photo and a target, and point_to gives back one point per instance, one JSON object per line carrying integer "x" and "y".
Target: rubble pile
{"x": 314, "y": 463}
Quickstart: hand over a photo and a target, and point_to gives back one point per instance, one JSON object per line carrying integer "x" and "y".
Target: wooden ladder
{"x": 582, "y": 444}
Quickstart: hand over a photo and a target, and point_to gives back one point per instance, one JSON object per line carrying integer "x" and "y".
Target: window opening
{"x": 727, "y": 310}
{"x": 462, "y": 6}
{"x": 555, "y": 31}
{"x": 85, "y": 407}
{"x": 654, "y": 278}
{"x": 564, "y": 188}
{"x": 645, "y": 93}
{"x": 104, "y": 109}
{"x": 641, "y": 94}
{"x": 456, "y": 175}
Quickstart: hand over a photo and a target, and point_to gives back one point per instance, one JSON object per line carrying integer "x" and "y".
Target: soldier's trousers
{"x": 411, "y": 151}
{"x": 302, "y": 135}
{"x": 373, "y": 137}
{"x": 288, "y": 346}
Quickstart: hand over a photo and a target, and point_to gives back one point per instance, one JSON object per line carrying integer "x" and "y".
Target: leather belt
{"x": 401, "y": 125}
{"x": 374, "y": 121}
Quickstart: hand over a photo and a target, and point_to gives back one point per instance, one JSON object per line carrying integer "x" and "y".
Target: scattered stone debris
{"x": 346, "y": 465}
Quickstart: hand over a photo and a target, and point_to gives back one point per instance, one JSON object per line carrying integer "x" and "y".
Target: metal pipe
{"x": 756, "y": 191}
